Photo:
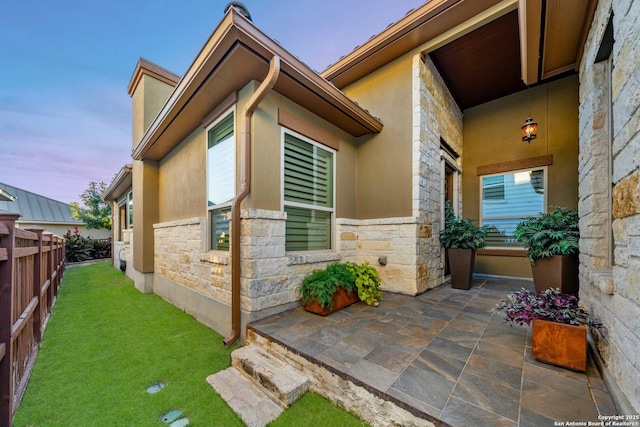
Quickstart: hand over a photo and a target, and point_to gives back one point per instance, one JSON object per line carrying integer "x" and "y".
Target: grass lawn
{"x": 106, "y": 343}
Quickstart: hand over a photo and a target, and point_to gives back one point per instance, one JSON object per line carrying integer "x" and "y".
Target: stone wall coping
{"x": 179, "y": 223}
{"x": 378, "y": 221}
{"x": 262, "y": 214}
{"x": 309, "y": 258}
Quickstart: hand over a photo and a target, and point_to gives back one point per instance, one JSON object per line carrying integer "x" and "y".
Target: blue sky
{"x": 65, "y": 115}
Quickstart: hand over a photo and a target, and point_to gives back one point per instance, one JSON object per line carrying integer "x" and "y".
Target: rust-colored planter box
{"x": 558, "y": 271}
{"x": 341, "y": 299}
{"x": 560, "y": 344}
{"x": 461, "y": 265}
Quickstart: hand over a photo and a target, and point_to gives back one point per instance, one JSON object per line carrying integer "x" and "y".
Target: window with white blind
{"x": 221, "y": 173}
{"x": 130, "y": 209}
{"x": 509, "y": 198}
{"x": 308, "y": 193}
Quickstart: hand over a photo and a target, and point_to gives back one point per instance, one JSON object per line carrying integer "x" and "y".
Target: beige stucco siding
{"x": 266, "y": 184}
{"x": 492, "y": 135}
{"x": 183, "y": 174}
{"x": 384, "y": 174}
{"x": 148, "y": 99}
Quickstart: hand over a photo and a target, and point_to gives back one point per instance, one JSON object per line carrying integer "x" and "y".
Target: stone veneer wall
{"x": 612, "y": 292}
{"x": 270, "y": 278}
{"x": 400, "y": 240}
{"x": 436, "y": 116}
{"x": 124, "y": 248}
{"x": 341, "y": 391}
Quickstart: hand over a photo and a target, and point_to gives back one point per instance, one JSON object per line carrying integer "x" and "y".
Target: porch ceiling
{"x": 540, "y": 40}
{"x": 484, "y": 49}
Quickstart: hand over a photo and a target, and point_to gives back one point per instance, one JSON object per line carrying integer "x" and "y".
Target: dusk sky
{"x": 65, "y": 115}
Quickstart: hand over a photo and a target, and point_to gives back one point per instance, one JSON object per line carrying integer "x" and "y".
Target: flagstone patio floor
{"x": 445, "y": 356}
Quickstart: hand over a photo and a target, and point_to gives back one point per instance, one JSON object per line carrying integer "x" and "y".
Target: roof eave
{"x": 120, "y": 184}
{"x": 416, "y": 28}
{"x": 231, "y": 31}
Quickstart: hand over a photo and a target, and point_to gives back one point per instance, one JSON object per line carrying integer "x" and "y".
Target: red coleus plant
{"x": 521, "y": 307}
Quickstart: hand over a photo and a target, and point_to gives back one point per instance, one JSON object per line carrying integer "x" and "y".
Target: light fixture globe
{"x": 529, "y": 130}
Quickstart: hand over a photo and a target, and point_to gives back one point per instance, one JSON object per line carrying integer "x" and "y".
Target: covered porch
{"x": 442, "y": 356}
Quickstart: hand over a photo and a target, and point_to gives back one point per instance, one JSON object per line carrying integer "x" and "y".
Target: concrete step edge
{"x": 247, "y": 399}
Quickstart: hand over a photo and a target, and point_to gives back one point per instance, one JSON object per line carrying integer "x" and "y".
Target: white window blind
{"x": 221, "y": 173}
{"x": 308, "y": 195}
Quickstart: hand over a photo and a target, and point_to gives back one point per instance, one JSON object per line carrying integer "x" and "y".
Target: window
{"x": 130, "y": 209}
{"x": 308, "y": 194}
{"x": 221, "y": 174}
{"x": 508, "y": 199}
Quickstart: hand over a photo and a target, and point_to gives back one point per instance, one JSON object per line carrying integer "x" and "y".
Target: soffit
{"x": 237, "y": 53}
{"x": 484, "y": 64}
{"x": 416, "y": 28}
{"x": 524, "y": 42}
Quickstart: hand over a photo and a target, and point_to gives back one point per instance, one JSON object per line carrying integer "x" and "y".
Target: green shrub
{"x": 554, "y": 233}
{"x": 367, "y": 282}
{"x": 101, "y": 248}
{"x": 461, "y": 233}
{"x": 79, "y": 248}
{"x": 322, "y": 284}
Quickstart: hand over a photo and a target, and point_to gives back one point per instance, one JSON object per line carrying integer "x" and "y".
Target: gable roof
{"x": 34, "y": 208}
{"x": 236, "y": 53}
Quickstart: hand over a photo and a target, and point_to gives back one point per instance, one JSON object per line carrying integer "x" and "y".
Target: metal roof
{"x": 34, "y": 208}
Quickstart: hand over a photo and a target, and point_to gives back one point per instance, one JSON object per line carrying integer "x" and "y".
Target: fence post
{"x": 50, "y": 270}
{"x": 7, "y": 242}
{"x": 37, "y": 286}
{"x": 58, "y": 262}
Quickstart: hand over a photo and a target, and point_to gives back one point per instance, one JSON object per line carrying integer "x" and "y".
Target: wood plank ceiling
{"x": 541, "y": 40}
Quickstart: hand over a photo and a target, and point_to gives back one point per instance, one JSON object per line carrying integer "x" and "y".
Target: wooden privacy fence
{"x": 31, "y": 269}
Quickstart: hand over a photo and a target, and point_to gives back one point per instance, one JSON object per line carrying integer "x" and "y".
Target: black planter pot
{"x": 558, "y": 272}
{"x": 461, "y": 266}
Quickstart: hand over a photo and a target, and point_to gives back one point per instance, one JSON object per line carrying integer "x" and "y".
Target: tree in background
{"x": 95, "y": 213}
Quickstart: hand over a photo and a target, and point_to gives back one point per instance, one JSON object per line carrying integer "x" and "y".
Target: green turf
{"x": 106, "y": 343}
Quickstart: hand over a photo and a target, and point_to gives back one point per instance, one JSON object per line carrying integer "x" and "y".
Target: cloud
{"x": 57, "y": 146}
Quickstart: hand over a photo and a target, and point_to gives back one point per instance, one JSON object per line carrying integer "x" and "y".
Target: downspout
{"x": 245, "y": 187}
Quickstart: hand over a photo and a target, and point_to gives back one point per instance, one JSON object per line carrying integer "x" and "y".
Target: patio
{"x": 445, "y": 357}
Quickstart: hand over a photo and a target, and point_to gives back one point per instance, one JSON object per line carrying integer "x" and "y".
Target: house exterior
{"x": 119, "y": 194}
{"x": 37, "y": 211}
{"x": 355, "y": 163}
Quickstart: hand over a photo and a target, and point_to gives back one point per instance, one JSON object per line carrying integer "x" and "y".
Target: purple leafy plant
{"x": 521, "y": 307}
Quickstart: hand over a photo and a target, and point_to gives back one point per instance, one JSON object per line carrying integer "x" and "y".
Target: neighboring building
{"x": 355, "y": 163}
{"x": 42, "y": 212}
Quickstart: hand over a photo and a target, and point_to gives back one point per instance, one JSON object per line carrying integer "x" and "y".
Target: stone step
{"x": 247, "y": 399}
{"x": 281, "y": 380}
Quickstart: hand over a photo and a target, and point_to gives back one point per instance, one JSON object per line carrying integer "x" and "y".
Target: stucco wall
{"x": 611, "y": 290}
{"x": 182, "y": 173}
{"x": 384, "y": 172}
{"x": 492, "y": 135}
{"x": 148, "y": 99}
{"x": 183, "y": 180}
{"x": 266, "y": 185}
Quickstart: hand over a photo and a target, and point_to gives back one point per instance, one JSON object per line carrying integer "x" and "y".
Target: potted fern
{"x": 559, "y": 325}
{"x": 461, "y": 238}
{"x": 340, "y": 285}
{"x": 551, "y": 241}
